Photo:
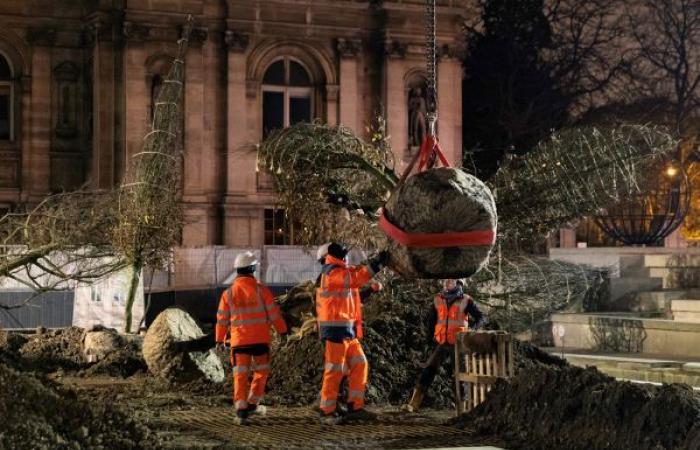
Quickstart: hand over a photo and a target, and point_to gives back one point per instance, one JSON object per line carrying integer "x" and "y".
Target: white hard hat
{"x": 322, "y": 251}
{"x": 245, "y": 259}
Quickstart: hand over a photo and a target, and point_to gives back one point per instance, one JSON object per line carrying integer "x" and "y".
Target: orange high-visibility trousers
{"x": 243, "y": 366}
{"x": 338, "y": 356}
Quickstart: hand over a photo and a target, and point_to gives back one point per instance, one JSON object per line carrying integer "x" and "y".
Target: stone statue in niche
{"x": 417, "y": 111}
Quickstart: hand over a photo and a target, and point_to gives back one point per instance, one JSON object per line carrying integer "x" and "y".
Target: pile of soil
{"x": 51, "y": 350}
{"x": 39, "y": 415}
{"x": 396, "y": 341}
{"x": 63, "y": 350}
{"x": 550, "y": 407}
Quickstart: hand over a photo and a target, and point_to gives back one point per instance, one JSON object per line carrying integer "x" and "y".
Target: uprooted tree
{"x": 331, "y": 183}
{"x": 149, "y": 210}
{"x": 86, "y": 235}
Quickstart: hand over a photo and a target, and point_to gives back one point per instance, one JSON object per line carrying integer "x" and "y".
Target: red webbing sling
{"x": 429, "y": 152}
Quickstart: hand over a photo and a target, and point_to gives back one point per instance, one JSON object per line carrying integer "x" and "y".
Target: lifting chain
{"x": 431, "y": 56}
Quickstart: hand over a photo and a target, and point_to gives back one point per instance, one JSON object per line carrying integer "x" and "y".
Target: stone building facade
{"x": 78, "y": 79}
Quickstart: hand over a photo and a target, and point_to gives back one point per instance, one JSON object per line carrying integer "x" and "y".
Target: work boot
{"x": 241, "y": 417}
{"x": 331, "y": 419}
{"x": 253, "y": 409}
{"x": 415, "y": 401}
{"x": 360, "y": 415}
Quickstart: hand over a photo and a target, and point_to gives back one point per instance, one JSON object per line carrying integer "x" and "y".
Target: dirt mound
{"x": 36, "y": 414}
{"x": 573, "y": 408}
{"x": 396, "y": 342}
{"x": 62, "y": 348}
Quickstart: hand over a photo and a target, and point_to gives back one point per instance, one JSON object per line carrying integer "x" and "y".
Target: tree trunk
{"x": 135, "y": 276}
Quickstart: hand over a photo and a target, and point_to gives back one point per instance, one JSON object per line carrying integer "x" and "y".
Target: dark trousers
{"x": 439, "y": 354}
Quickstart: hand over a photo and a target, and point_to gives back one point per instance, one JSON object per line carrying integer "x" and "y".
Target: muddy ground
{"x": 55, "y": 399}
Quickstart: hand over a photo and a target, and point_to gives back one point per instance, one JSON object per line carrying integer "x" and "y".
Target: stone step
{"x": 686, "y": 310}
{"x": 626, "y": 333}
{"x": 620, "y": 287}
{"x": 653, "y": 301}
{"x": 638, "y": 367}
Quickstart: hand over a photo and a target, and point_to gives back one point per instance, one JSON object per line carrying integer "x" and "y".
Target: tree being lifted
{"x": 573, "y": 174}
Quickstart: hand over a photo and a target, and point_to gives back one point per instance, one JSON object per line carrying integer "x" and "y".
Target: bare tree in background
{"x": 667, "y": 65}
{"x": 62, "y": 241}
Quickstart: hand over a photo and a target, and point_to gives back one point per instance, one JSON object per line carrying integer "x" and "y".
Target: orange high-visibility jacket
{"x": 450, "y": 320}
{"x": 338, "y": 305}
{"x": 247, "y": 310}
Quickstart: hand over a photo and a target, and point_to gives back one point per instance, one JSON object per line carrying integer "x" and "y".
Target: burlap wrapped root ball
{"x": 440, "y": 200}
{"x": 165, "y": 359}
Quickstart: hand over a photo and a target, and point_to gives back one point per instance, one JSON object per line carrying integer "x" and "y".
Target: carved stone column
{"x": 348, "y": 50}
{"x": 36, "y": 162}
{"x": 449, "y": 88}
{"x": 396, "y": 104}
{"x": 137, "y": 96}
{"x": 241, "y": 177}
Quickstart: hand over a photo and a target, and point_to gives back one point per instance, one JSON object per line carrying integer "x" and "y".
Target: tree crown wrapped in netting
{"x": 150, "y": 212}
{"x": 328, "y": 181}
{"x": 576, "y": 173}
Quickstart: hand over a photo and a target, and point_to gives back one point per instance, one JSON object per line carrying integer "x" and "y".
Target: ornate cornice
{"x": 136, "y": 31}
{"x": 348, "y": 48}
{"x": 395, "y": 49}
{"x": 236, "y": 42}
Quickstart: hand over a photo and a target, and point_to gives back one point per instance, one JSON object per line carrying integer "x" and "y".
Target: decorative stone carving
{"x": 66, "y": 99}
{"x": 395, "y": 49}
{"x": 41, "y": 36}
{"x": 198, "y": 36}
{"x": 235, "y": 41}
{"x": 450, "y": 51}
{"x": 135, "y": 31}
{"x": 348, "y": 48}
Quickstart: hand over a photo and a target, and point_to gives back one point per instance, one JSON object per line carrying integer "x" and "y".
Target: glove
{"x": 479, "y": 324}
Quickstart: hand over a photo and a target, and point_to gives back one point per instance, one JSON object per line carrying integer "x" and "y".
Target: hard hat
{"x": 245, "y": 259}
{"x": 322, "y": 251}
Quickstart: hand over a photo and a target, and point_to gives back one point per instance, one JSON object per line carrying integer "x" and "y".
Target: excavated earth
{"x": 55, "y": 398}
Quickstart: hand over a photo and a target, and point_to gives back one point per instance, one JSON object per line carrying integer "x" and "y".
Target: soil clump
{"x": 39, "y": 415}
{"x": 566, "y": 407}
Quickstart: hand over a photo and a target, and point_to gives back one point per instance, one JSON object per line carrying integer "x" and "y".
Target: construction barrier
{"x": 481, "y": 359}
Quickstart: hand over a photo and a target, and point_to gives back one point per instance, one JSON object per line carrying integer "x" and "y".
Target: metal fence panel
{"x": 49, "y": 309}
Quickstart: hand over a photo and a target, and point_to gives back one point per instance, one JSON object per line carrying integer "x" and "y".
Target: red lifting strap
{"x": 436, "y": 240}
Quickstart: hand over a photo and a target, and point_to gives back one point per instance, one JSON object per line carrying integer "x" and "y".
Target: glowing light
{"x": 671, "y": 171}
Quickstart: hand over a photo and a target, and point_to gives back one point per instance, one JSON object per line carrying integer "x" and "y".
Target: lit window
{"x": 277, "y": 230}
{"x": 287, "y": 95}
{"x": 5, "y": 100}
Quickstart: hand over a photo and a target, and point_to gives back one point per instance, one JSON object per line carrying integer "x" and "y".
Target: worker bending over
{"x": 339, "y": 313}
{"x": 451, "y": 314}
{"x": 247, "y": 311}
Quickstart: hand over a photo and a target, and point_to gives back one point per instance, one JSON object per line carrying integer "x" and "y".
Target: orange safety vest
{"x": 450, "y": 320}
{"x": 247, "y": 310}
{"x": 338, "y": 305}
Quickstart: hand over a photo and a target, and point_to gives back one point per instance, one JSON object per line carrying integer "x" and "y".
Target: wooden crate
{"x": 481, "y": 358}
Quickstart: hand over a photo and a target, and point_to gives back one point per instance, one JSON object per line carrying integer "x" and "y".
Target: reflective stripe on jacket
{"x": 451, "y": 319}
{"x": 338, "y": 305}
{"x": 247, "y": 310}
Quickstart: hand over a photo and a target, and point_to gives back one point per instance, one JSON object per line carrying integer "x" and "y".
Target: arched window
{"x": 287, "y": 95}
{"x": 156, "y": 85}
{"x": 6, "y": 100}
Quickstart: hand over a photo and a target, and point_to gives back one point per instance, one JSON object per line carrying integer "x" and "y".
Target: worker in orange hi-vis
{"x": 339, "y": 313}
{"x": 246, "y": 312}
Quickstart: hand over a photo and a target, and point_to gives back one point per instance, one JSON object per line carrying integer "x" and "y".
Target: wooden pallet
{"x": 481, "y": 358}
